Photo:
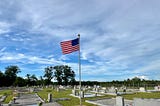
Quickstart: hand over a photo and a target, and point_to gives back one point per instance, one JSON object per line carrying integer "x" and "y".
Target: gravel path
{"x": 30, "y": 100}
{"x": 109, "y": 102}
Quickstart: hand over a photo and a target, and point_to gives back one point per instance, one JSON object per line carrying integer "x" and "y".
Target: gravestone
{"x": 96, "y": 94}
{"x": 157, "y": 88}
{"x": 82, "y": 94}
{"x": 119, "y": 101}
{"x": 97, "y": 89}
{"x": 31, "y": 90}
{"x": 58, "y": 89}
{"x": 49, "y": 97}
{"x": 111, "y": 89}
{"x": 89, "y": 87}
{"x": 74, "y": 92}
{"x": 104, "y": 90}
{"x": 94, "y": 89}
{"x": 142, "y": 89}
{"x": 116, "y": 90}
{"x": 84, "y": 89}
{"x": 77, "y": 93}
{"x": 74, "y": 87}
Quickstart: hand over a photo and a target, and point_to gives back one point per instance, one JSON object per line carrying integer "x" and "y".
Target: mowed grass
{"x": 75, "y": 101}
{"x": 142, "y": 95}
{"x": 63, "y": 94}
{"x": 7, "y": 93}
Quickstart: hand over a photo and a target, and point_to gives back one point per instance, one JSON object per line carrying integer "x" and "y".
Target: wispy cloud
{"x": 27, "y": 59}
{"x": 115, "y": 38}
{"x": 4, "y": 27}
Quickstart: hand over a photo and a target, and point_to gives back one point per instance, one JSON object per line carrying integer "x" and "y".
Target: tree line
{"x": 62, "y": 73}
{"x": 132, "y": 83}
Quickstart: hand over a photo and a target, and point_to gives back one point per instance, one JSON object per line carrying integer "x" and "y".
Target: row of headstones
{"x": 143, "y": 89}
{"x": 81, "y": 93}
{"x": 157, "y": 88}
{"x": 110, "y": 89}
{"x": 78, "y": 93}
{"x": 98, "y": 90}
{"x": 122, "y": 89}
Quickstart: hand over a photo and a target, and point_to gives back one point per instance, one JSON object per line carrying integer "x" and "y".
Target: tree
{"x": 41, "y": 81}
{"x": 2, "y": 79}
{"x": 64, "y": 74}
{"x": 11, "y": 74}
{"x": 72, "y": 81}
{"x": 136, "y": 81}
{"x": 28, "y": 80}
{"x": 33, "y": 79}
{"x": 58, "y": 74}
{"x": 68, "y": 75}
{"x": 19, "y": 82}
{"x": 48, "y": 74}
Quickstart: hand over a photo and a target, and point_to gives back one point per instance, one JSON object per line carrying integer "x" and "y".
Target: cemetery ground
{"x": 8, "y": 94}
{"x": 68, "y": 100}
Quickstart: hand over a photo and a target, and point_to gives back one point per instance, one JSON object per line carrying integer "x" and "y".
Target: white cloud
{"x": 143, "y": 77}
{"x": 116, "y": 36}
{"x": 27, "y": 59}
{"x": 4, "y": 27}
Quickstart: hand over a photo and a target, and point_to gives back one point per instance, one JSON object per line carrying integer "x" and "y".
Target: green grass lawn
{"x": 142, "y": 95}
{"x": 7, "y": 93}
{"x": 63, "y": 94}
{"x": 75, "y": 101}
{"x": 66, "y": 94}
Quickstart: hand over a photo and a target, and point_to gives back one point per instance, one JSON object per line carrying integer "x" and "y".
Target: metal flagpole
{"x": 79, "y": 72}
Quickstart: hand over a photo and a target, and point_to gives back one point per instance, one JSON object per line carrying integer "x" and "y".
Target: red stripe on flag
{"x": 68, "y": 48}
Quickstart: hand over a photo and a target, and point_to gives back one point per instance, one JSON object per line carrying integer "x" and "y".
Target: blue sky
{"x": 120, "y": 39}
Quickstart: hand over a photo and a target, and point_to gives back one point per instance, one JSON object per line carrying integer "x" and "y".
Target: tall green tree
{"x": 20, "y": 82}
{"x": 48, "y": 74}
{"x": 40, "y": 81}
{"x": 2, "y": 79}
{"x": 11, "y": 74}
{"x": 33, "y": 80}
{"x": 28, "y": 80}
{"x": 68, "y": 74}
{"x": 64, "y": 75}
{"x": 58, "y": 74}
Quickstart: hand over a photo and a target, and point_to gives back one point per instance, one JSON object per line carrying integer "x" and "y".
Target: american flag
{"x": 70, "y": 46}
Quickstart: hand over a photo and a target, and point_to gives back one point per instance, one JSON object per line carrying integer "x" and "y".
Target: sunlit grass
{"x": 75, "y": 101}
{"x": 7, "y": 93}
{"x": 142, "y": 95}
{"x": 63, "y": 94}
{"x": 66, "y": 94}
